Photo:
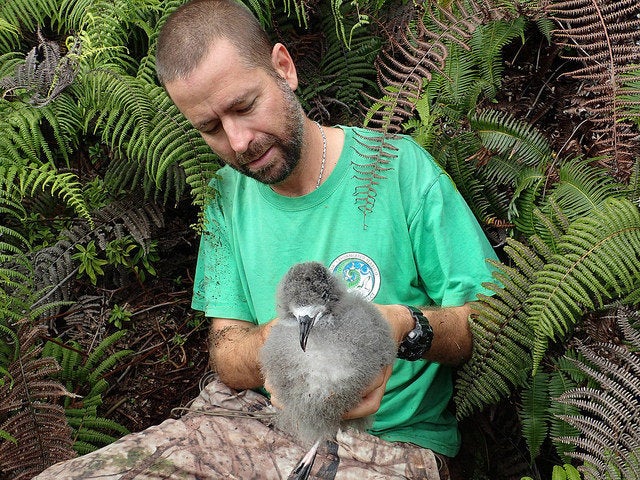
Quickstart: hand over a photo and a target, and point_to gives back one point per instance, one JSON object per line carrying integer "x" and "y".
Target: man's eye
{"x": 247, "y": 108}
{"x": 210, "y": 129}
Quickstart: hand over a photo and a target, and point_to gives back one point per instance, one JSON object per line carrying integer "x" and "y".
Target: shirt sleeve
{"x": 450, "y": 247}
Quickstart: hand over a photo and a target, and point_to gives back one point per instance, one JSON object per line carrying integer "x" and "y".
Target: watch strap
{"x": 418, "y": 341}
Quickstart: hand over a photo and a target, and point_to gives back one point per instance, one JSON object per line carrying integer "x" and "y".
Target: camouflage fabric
{"x": 226, "y": 434}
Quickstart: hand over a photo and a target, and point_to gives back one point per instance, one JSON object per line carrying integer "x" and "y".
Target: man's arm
{"x": 234, "y": 347}
{"x": 452, "y": 341}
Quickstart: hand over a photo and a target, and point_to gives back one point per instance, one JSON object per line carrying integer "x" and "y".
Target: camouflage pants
{"x": 226, "y": 434}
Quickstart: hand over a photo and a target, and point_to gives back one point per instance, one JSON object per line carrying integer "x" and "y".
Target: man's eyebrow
{"x": 203, "y": 124}
{"x": 239, "y": 100}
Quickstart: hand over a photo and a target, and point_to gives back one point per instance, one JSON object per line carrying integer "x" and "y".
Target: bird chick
{"x": 326, "y": 348}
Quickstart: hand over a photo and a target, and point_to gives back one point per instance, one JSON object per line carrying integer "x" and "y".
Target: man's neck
{"x": 305, "y": 176}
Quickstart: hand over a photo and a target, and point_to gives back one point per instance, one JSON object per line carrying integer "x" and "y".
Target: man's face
{"x": 250, "y": 118}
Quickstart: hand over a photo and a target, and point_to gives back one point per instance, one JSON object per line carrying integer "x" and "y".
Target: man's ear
{"x": 283, "y": 64}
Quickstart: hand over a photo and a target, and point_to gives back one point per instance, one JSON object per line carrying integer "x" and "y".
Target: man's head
{"x": 194, "y": 27}
{"x": 220, "y": 70}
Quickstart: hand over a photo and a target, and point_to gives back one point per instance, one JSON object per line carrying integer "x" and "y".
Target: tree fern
{"x": 596, "y": 260}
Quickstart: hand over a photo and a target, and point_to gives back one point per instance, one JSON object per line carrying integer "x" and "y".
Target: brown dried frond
{"x": 413, "y": 52}
{"x": 605, "y": 36}
{"x": 29, "y": 412}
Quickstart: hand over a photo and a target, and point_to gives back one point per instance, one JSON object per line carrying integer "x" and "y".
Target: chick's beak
{"x": 306, "y": 323}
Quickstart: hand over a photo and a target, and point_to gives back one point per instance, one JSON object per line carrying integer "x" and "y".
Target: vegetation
{"x": 532, "y": 108}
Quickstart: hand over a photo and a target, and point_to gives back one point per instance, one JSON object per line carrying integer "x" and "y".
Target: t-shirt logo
{"x": 359, "y": 272}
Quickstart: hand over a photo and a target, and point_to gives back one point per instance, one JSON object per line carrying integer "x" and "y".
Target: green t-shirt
{"x": 420, "y": 245}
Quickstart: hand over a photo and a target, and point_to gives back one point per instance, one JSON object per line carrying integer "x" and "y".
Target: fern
{"x": 487, "y": 42}
{"x": 513, "y": 139}
{"x": 564, "y": 377}
{"x": 603, "y": 37}
{"x": 55, "y": 266}
{"x": 534, "y": 412}
{"x": 335, "y": 78}
{"x": 371, "y": 169}
{"x": 83, "y": 374}
{"x": 501, "y": 357}
{"x": 597, "y": 260}
{"x": 45, "y": 73}
{"x": 576, "y": 188}
{"x": 419, "y": 52}
{"x": 27, "y": 412}
{"x": 609, "y": 440}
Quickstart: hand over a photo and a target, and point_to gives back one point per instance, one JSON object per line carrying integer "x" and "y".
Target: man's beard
{"x": 289, "y": 148}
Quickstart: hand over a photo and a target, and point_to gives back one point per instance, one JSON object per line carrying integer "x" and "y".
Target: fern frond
{"x": 488, "y": 41}
{"x": 561, "y": 381}
{"x": 21, "y": 139}
{"x": 23, "y": 15}
{"x": 453, "y": 157}
{"x": 501, "y": 358}
{"x": 44, "y": 74}
{"x": 596, "y": 260}
{"x": 410, "y": 59}
{"x": 83, "y": 373}
{"x": 375, "y": 151}
{"x": 55, "y": 266}
{"x": 582, "y": 188}
{"x": 33, "y": 177}
{"x": 605, "y": 39}
{"x": 340, "y": 77}
{"x": 27, "y": 412}
{"x": 9, "y": 36}
{"x": 609, "y": 440}
{"x": 518, "y": 142}
{"x": 534, "y": 412}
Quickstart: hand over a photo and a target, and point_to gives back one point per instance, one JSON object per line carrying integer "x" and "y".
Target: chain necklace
{"x": 324, "y": 153}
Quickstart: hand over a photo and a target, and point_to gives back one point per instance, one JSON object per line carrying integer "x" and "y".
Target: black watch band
{"x": 418, "y": 341}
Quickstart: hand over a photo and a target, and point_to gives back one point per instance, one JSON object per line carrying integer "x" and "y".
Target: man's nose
{"x": 238, "y": 135}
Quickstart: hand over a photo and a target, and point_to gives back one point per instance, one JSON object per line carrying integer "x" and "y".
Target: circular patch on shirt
{"x": 360, "y": 273}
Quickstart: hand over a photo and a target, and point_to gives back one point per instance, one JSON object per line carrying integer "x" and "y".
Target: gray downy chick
{"x": 326, "y": 348}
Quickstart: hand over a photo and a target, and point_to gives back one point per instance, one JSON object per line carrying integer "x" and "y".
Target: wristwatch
{"x": 418, "y": 341}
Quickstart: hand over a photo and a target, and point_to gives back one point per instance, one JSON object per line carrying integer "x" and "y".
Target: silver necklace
{"x": 324, "y": 153}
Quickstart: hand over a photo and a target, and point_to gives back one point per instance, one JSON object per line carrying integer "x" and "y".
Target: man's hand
{"x": 371, "y": 397}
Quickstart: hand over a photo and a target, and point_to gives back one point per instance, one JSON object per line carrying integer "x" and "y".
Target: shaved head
{"x": 193, "y": 28}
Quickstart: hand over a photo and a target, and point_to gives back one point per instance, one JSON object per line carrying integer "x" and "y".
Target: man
{"x": 286, "y": 196}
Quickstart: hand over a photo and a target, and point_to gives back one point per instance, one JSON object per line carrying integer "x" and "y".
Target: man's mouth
{"x": 257, "y": 162}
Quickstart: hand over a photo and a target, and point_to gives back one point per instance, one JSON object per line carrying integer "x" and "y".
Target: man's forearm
{"x": 234, "y": 353}
{"x": 452, "y": 340}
